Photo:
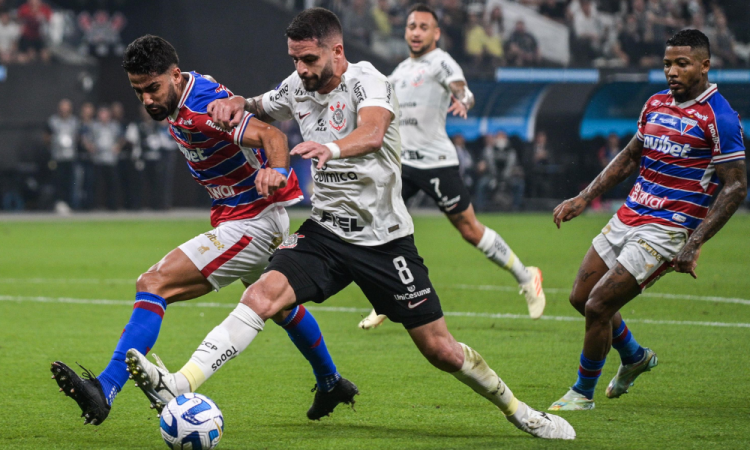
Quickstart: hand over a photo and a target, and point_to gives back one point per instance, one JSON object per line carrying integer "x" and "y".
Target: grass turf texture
{"x": 696, "y": 398}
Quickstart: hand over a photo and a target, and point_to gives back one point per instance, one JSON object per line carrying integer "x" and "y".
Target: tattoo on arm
{"x": 254, "y": 105}
{"x": 458, "y": 89}
{"x": 734, "y": 178}
{"x": 625, "y": 164}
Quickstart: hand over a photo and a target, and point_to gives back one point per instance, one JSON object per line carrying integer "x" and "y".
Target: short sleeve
{"x": 729, "y": 146}
{"x": 371, "y": 90}
{"x": 277, "y": 103}
{"x": 642, "y": 119}
{"x": 447, "y": 71}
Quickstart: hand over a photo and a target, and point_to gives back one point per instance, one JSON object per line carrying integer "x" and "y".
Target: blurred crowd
{"x": 98, "y": 160}
{"x": 602, "y": 33}
{"x": 33, "y": 30}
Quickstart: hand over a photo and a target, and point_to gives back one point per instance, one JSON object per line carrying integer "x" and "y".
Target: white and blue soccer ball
{"x": 191, "y": 421}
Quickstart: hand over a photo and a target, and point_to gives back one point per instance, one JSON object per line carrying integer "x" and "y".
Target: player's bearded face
{"x": 160, "y": 111}
{"x": 313, "y": 82}
{"x": 421, "y": 33}
{"x": 685, "y": 70}
{"x": 158, "y": 94}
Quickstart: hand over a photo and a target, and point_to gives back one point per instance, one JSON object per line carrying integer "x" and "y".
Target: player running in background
{"x": 249, "y": 186}
{"x": 359, "y": 230}
{"x": 429, "y": 85}
{"x": 689, "y": 139}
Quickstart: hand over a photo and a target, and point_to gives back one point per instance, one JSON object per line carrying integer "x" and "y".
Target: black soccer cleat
{"x": 87, "y": 392}
{"x": 325, "y": 402}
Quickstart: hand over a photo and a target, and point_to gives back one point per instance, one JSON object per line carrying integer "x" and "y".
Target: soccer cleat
{"x": 627, "y": 374}
{"x": 324, "y": 402}
{"x": 545, "y": 426}
{"x": 86, "y": 391}
{"x": 572, "y": 401}
{"x": 155, "y": 381}
{"x": 534, "y": 293}
{"x": 374, "y": 320}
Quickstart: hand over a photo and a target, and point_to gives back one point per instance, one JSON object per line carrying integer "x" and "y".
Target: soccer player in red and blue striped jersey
{"x": 689, "y": 141}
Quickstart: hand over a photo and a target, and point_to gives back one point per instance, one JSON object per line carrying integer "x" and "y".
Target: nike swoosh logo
{"x": 301, "y": 116}
{"x": 414, "y": 305}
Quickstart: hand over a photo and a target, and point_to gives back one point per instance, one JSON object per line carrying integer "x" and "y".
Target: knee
{"x": 268, "y": 297}
{"x": 444, "y": 356}
{"x": 578, "y": 302}
{"x": 597, "y": 310}
{"x": 152, "y": 281}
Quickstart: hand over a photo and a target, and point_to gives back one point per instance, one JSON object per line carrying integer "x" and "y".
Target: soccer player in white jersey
{"x": 429, "y": 85}
{"x": 359, "y": 230}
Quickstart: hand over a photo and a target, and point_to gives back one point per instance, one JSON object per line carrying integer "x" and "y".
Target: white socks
{"x": 495, "y": 248}
{"x": 223, "y": 343}
{"x": 476, "y": 374}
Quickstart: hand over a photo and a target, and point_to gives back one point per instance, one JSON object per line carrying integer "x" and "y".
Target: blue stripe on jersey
{"x": 664, "y": 214}
{"x": 728, "y": 125}
{"x": 674, "y": 194}
{"x": 223, "y": 168}
{"x": 689, "y": 173}
{"x": 203, "y": 93}
{"x": 240, "y": 199}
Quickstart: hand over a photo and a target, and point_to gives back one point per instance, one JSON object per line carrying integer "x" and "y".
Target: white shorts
{"x": 238, "y": 249}
{"x": 645, "y": 251}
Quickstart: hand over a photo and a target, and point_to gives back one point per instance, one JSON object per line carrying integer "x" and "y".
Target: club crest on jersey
{"x": 418, "y": 78}
{"x": 338, "y": 121}
{"x": 687, "y": 124}
{"x": 291, "y": 241}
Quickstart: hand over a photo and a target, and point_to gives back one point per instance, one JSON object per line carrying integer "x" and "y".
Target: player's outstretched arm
{"x": 260, "y": 134}
{"x": 372, "y": 123}
{"x": 228, "y": 112}
{"x": 625, "y": 164}
{"x": 462, "y": 100}
{"x": 734, "y": 178}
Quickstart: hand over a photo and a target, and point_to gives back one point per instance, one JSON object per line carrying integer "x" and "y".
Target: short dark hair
{"x": 314, "y": 23}
{"x": 421, "y": 7}
{"x": 149, "y": 55}
{"x": 690, "y": 38}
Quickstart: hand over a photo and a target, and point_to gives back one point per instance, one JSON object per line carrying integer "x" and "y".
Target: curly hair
{"x": 149, "y": 55}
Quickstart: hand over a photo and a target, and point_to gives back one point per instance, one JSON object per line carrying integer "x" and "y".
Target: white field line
{"x": 83, "y": 301}
{"x": 470, "y": 287}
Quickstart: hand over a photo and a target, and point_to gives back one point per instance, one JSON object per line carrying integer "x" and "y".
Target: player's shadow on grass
{"x": 321, "y": 430}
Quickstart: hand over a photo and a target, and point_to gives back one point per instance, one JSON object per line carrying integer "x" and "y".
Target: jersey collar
{"x": 703, "y": 98}
{"x": 188, "y": 88}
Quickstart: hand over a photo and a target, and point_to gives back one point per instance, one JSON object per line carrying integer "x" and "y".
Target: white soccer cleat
{"x": 374, "y": 320}
{"x": 155, "y": 381}
{"x": 534, "y": 293}
{"x": 572, "y": 401}
{"x": 627, "y": 374}
{"x": 542, "y": 425}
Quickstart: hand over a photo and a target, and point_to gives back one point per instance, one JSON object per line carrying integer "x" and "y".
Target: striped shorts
{"x": 238, "y": 249}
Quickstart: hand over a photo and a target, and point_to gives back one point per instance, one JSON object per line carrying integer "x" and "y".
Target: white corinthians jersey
{"x": 358, "y": 199}
{"x": 422, "y": 87}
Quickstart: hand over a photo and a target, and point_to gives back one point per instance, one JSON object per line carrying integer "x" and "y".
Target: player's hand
{"x": 310, "y": 150}
{"x": 687, "y": 259}
{"x": 458, "y": 108}
{"x": 227, "y": 112}
{"x": 568, "y": 210}
{"x": 268, "y": 181}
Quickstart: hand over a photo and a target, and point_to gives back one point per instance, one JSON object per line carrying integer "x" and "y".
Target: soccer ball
{"x": 191, "y": 421}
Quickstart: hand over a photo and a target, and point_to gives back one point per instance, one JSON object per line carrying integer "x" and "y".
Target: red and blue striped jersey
{"x": 682, "y": 144}
{"x": 216, "y": 158}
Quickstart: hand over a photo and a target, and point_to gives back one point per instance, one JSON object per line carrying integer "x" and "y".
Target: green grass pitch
{"x": 698, "y": 396}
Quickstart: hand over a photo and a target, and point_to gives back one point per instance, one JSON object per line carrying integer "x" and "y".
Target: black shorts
{"x": 443, "y": 184}
{"x": 393, "y": 277}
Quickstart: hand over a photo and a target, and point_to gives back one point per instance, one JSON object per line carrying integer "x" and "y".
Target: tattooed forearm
{"x": 254, "y": 105}
{"x": 734, "y": 178}
{"x": 625, "y": 164}
{"x": 462, "y": 93}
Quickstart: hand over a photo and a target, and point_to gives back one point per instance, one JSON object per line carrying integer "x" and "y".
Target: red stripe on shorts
{"x": 657, "y": 273}
{"x": 226, "y": 256}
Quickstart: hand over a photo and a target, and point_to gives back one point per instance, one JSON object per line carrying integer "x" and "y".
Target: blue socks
{"x": 589, "y": 372}
{"x": 140, "y": 333}
{"x": 303, "y": 330}
{"x": 626, "y": 345}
